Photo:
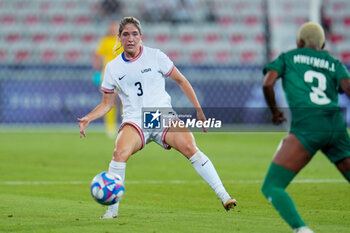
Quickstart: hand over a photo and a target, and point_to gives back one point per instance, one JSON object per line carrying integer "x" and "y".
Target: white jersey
{"x": 140, "y": 81}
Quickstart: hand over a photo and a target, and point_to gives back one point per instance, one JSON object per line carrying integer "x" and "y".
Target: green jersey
{"x": 310, "y": 79}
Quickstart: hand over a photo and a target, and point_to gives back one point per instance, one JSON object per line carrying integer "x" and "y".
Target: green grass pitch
{"x": 45, "y": 186}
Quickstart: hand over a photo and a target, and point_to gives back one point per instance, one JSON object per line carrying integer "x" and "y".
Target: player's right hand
{"x": 83, "y": 123}
{"x": 278, "y": 117}
{"x": 201, "y": 117}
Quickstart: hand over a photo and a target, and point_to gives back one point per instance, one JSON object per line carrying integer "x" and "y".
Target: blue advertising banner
{"x": 38, "y": 94}
{"x": 54, "y": 101}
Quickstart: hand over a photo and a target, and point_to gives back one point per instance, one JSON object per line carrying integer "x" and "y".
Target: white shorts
{"x": 146, "y": 137}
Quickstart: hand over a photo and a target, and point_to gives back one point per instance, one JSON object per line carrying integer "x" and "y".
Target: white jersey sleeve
{"x": 108, "y": 85}
{"x": 165, "y": 64}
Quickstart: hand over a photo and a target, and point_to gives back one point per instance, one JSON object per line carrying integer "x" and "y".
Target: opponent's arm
{"x": 102, "y": 109}
{"x": 345, "y": 86}
{"x": 269, "y": 94}
{"x": 189, "y": 92}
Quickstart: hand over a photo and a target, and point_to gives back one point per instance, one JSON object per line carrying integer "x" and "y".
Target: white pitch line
{"x": 303, "y": 181}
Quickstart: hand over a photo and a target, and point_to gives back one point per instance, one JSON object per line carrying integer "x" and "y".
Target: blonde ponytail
{"x": 116, "y": 47}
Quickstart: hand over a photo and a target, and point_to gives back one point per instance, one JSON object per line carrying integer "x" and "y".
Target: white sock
{"x": 206, "y": 170}
{"x": 116, "y": 168}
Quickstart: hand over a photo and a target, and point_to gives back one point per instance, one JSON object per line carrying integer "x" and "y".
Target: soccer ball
{"x": 106, "y": 188}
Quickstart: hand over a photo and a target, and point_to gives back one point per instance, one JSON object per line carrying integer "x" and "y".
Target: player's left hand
{"x": 201, "y": 117}
{"x": 278, "y": 117}
{"x": 83, "y": 124}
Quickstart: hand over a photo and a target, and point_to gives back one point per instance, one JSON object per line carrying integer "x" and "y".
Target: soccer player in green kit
{"x": 311, "y": 80}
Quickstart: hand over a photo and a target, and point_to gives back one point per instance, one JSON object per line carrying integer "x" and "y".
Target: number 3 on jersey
{"x": 139, "y": 86}
{"x": 318, "y": 95}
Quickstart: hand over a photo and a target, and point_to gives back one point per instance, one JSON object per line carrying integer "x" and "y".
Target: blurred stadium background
{"x": 221, "y": 46}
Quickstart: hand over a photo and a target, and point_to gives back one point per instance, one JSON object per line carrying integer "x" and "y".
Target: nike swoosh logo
{"x": 120, "y": 78}
{"x": 204, "y": 163}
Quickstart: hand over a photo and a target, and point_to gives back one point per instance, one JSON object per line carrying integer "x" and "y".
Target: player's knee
{"x": 265, "y": 189}
{"x": 188, "y": 149}
{"x": 270, "y": 189}
{"x": 121, "y": 155}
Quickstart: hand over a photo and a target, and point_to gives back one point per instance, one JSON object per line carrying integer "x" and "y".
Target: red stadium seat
{"x": 44, "y": 6}
{"x": 159, "y": 33}
{"x": 337, "y": 6}
{"x": 63, "y": 38}
{"x": 162, "y": 38}
{"x": 251, "y": 20}
{"x": 328, "y": 20}
{"x": 69, "y": 5}
{"x": 72, "y": 55}
{"x": 345, "y": 57}
{"x": 300, "y": 20}
{"x": 8, "y": 19}
{"x": 240, "y": 6}
{"x": 3, "y": 54}
{"x": 236, "y": 38}
{"x": 336, "y": 38}
{"x": 48, "y": 56}
{"x": 174, "y": 55}
{"x": 260, "y": 38}
{"x": 22, "y": 55}
{"x": 31, "y": 19}
{"x": 247, "y": 56}
{"x": 82, "y": 20}
{"x": 89, "y": 38}
{"x": 13, "y": 37}
{"x": 222, "y": 56}
{"x": 39, "y": 37}
{"x": 59, "y": 19}
{"x": 198, "y": 56}
{"x": 346, "y": 21}
{"x": 212, "y": 37}
{"x": 226, "y": 20}
{"x": 187, "y": 38}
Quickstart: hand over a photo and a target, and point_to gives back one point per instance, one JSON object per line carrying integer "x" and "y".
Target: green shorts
{"x": 328, "y": 134}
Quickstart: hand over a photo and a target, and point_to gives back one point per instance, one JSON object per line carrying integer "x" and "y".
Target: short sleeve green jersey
{"x": 310, "y": 78}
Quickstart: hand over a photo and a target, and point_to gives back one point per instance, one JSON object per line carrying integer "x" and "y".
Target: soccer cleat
{"x": 230, "y": 204}
{"x": 112, "y": 212}
{"x": 303, "y": 230}
{"x": 108, "y": 215}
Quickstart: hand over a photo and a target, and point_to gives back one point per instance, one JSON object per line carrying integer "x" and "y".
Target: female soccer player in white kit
{"x": 138, "y": 76}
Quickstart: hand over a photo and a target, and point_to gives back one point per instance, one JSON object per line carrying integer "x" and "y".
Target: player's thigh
{"x": 182, "y": 140}
{"x": 339, "y": 147}
{"x": 343, "y": 165}
{"x": 291, "y": 154}
{"x": 127, "y": 143}
{"x": 339, "y": 153}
